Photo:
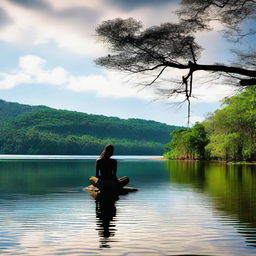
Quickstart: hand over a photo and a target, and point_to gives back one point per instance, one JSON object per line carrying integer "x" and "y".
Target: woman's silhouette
{"x": 106, "y": 168}
{"x": 106, "y": 217}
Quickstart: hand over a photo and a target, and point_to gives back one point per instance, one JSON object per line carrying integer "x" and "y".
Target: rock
{"x": 94, "y": 189}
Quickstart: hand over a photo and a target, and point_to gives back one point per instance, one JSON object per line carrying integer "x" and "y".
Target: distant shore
{"x": 73, "y": 157}
{"x": 158, "y": 158}
{"x": 212, "y": 161}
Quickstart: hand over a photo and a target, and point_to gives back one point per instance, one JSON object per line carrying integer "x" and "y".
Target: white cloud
{"x": 32, "y": 70}
{"x": 66, "y": 4}
{"x": 11, "y": 80}
{"x": 39, "y": 26}
{"x": 31, "y": 64}
{"x": 71, "y": 25}
{"x": 109, "y": 84}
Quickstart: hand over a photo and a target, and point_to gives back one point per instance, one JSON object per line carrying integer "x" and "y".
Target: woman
{"x": 106, "y": 172}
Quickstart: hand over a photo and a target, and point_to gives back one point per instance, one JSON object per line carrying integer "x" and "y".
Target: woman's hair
{"x": 107, "y": 151}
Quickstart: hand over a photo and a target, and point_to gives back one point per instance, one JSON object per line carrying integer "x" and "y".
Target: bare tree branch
{"x": 151, "y": 51}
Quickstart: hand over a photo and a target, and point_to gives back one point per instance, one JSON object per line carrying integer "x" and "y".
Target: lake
{"x": 181, "y": 208}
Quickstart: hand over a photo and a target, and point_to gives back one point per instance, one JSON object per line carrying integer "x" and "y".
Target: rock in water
{"x": 123, "y": 190}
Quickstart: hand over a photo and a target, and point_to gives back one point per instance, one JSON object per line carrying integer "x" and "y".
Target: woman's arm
{"x": 114, "y": 169}
{"x": 97, "y": 169}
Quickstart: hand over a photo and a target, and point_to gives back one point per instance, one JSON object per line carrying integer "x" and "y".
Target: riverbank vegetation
{"x": 228, "y": 134}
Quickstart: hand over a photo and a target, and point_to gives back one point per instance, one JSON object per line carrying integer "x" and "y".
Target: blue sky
{"x": 47, "y": 58}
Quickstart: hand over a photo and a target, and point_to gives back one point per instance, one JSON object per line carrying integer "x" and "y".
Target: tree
{"x": 228, "y": 134}
{"x": 188, "y": 143}
{"x": 232, "y": 129}
{"x": 156, "y": 49}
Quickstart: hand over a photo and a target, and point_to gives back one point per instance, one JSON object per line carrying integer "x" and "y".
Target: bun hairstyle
{"x": 107, "y": 151}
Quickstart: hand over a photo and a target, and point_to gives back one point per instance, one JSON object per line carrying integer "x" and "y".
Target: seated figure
{"x": 106, "y": 168}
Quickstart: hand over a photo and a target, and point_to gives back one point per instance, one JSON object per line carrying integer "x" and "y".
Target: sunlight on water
{"x": 180, "y": 208}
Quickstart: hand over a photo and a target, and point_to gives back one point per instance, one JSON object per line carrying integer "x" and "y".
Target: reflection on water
{"x": 40, "y": 177}
{"x": 180, "y": 208}
{"x": 105, "y": 214}
{"x": 232, "y": 189}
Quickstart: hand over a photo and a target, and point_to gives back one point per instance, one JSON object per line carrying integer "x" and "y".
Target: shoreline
{"x": 158, "y": 158}
{"x": 213, "y": 161}
{"x": 6, "y": 157}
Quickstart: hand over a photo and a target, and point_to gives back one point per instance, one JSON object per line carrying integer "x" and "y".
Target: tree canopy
{"x": 232, "y": 130}
{"x": 188, "y": 143}
{"x": 228, "y": 134}
{"x": 154, "y": 50}
{"x": 42, "y": 130}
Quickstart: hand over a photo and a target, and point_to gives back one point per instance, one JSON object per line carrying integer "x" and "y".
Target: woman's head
{"x": 107, "y": 151}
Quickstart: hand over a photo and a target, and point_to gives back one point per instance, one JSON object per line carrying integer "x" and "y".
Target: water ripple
{"x": 169, "y": 215}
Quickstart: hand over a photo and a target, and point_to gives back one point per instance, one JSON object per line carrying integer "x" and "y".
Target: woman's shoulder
{"x": 106, "y": 159}
{"x": 98, "y": 161}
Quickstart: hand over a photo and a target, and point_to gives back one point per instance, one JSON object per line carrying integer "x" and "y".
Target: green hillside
{"x": 41, "y": 130}
{"x": 9, "y": 110}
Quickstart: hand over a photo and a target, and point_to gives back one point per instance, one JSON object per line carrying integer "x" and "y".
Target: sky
{"x": 48, "y": 48}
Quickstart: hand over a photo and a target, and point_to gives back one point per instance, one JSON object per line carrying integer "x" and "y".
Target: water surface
{"x": 180, "y": 208}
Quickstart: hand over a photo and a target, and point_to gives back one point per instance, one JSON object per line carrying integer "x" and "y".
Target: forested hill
{"x": 9, "y": 110}
{"x": 42, "y": 130}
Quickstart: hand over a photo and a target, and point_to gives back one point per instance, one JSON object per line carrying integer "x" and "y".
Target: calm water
{"x": 180, "y": 208}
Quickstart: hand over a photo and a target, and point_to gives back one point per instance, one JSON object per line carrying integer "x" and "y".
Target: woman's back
{"x": 106, "y": 172}
{"x": 106, "y": 168}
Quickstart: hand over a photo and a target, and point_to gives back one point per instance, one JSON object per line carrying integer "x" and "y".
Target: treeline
{"x": 42, "y": 130}
{"x": 75, "y": 123}
{"x": 31, "y": 141}
{"x": 228, "y": 134}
